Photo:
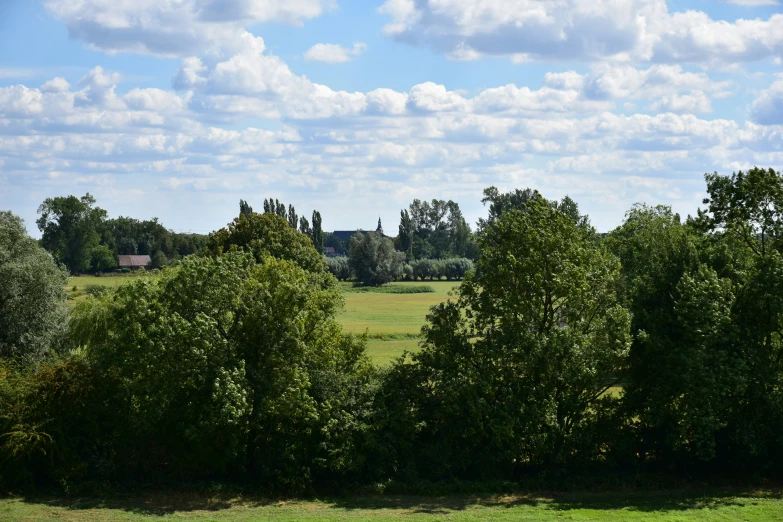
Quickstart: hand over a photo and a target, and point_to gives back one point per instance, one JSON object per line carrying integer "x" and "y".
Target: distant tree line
{"x": 82, "y": 238}
{"x": 658, "y": 348}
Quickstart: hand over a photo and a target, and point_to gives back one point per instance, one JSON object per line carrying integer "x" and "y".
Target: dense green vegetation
{"x": 562, "y": 353}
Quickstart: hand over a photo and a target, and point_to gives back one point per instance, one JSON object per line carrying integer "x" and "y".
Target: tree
{"x": 318, "y": 235}
{"x": 434, "y": 230}
{"x": 406, "y": 233}
{"x": 373, "y": 259}
{"x": 159, "y": 260}
{"x": 103, "y": 259}
{"x": 304, "y": 227}
{"x": 244, "y": 208}
{"x": 33, "y": 314}
{"x": 339, "y": 268}
{"x": 513, "y": 373}
{"x": 70, "y": 229}
{"x": 266, "y": 235}
{"x": 499, "y": 203}
{"x": 232, "y": 366}
{"x": 293, "y": 220}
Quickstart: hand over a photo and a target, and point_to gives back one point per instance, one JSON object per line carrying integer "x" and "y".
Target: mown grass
{"x": 393, "y": 320}
{"x": 77, "y": 286}
{"x": 682, "y": 506}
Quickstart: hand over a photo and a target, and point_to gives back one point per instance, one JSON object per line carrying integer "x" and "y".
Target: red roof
{"x": 134, "y": 261}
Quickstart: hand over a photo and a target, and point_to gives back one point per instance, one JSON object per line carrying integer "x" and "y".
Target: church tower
{"x": 380, "y": 228}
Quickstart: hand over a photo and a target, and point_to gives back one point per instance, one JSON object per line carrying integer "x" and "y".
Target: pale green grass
{"x": 388, "y": 317}
{"x": 654, "y": 506}
{"x": 83, "y": 281}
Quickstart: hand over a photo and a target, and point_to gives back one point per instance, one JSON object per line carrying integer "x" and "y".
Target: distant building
{"x": 345, "y": 235}
{"x": 135, "y": 262}
{"x": 329, "y": 252}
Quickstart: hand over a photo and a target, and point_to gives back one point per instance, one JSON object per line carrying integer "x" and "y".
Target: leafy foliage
{"x": 32, "y": 295}
{"x": 266, "y": 235}
{"x": 514, "y": 372}
{"x": 373, "y": 259}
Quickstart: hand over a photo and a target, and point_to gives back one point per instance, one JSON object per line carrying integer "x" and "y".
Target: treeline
{"x": 81, "y": 237}
{"x": 452, "y": 269}
{"x": 657, "y": 347}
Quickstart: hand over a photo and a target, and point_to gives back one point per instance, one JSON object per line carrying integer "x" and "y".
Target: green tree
{"x": 373, "y": 259}
{"x": 513, "y": 373}
{"x": 744, "y": 222}
{"x": 70, "y": 228}
{"x": 32, "y": 295}
{"x": 103, "y": 259}
{"x": 231, "y": 366}
{"x": 406, "y": 234}
{"x": 318, "y": 234}
{"x": 244, "y": 208}
{"x": 159, "y": 260}
{"x": 266, "y": 235}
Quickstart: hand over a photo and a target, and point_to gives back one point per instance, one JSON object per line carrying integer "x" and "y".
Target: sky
{"x": 176, "y": 109}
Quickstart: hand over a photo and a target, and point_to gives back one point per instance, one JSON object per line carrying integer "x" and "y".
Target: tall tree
{"x": 32, "y": 295}
{"x": 244, "y": 208}
{"x": 293, "y": 220}
{"x": 406, "y": 233}
{"x": 513, "y": 372}
{"x": 70, "y": 228}
{"x": 318, "y": 235}
{"x": 304, "y": 227}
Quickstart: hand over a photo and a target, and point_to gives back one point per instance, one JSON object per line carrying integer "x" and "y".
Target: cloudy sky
{"x": 179, "y": 108}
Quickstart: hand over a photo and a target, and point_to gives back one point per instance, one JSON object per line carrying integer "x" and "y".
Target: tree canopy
{"x": 32, "y": 295}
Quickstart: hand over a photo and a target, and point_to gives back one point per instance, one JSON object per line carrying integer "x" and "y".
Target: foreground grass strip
{"x": 663, "y": 506}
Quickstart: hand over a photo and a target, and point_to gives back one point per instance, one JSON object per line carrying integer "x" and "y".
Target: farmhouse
{"x": 135, "y": 262}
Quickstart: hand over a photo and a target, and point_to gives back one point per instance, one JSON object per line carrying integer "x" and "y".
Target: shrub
{"x": 339, "y": 267}
{"x": 95, "y": 290}
{"x": 374, "y": 260}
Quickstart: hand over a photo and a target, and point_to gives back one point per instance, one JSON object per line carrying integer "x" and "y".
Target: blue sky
{"x": 179, "y": 108}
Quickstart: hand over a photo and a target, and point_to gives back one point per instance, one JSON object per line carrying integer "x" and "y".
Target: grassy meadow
{"x": 393, "y": 321}
{"x": 680, "y": 506}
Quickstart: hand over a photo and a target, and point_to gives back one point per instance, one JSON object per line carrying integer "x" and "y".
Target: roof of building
{"x": 132, "y": 261}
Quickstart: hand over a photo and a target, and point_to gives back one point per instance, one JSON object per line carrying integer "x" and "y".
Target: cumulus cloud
{"x": 638, "y": 30}
{"x": 767, "y": 109}
{"x": 334, "y": 53}
{"x": 174, "y": 27}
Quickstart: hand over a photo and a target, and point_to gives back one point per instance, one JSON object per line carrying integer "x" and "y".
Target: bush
{"x": 407, "y": 272}
{"x": 374, "y": 260}
{"x": 96, "y": 290}
{"x": 339, "y": 267}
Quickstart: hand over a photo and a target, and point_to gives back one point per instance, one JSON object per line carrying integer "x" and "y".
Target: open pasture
{"x": 393, "y": 321}
{"x": 681, "y": 506}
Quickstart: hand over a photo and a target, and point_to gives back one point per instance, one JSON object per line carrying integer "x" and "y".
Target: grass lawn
{"x": 392, "y": 320}
{"x": 82, "y": 282}
{"x": 680, "y": 506}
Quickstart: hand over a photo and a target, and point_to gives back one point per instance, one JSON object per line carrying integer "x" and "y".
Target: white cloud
{"x": 174, "y": 27}
{"x": 696, "y": 102}
{"x": 334, "y": 53}
{"x": 767, "y": 109}
{"x": 56, "y": 85}
{"x": 635, "y": 30}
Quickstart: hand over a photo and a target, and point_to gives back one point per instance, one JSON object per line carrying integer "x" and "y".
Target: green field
{"x": 681, "y": 506}
{"x": 77, "y": 286}
{"x": 393, "y": 321}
